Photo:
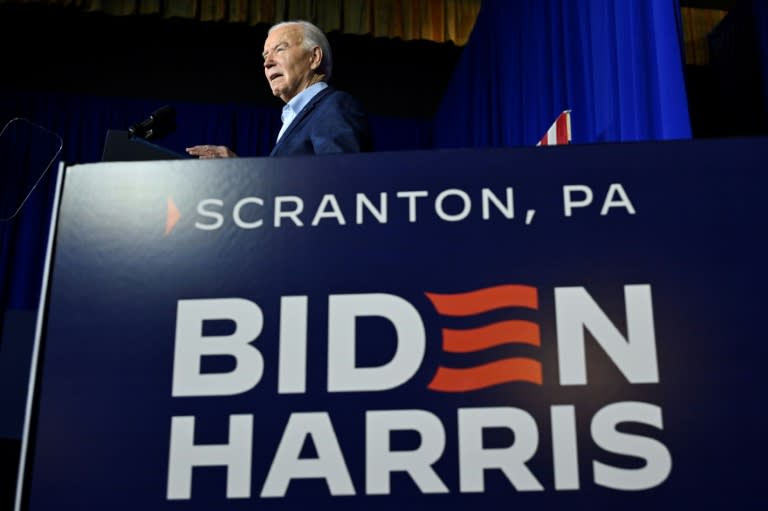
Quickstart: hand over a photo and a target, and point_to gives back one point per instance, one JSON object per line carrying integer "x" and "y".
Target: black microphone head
{"x": 160, "y": 123}
{"x": 164, "y": 114}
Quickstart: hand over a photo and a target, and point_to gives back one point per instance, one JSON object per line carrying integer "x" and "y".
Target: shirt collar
{"x": 300, "y": 100}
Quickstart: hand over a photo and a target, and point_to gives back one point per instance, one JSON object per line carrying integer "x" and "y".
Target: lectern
{"x": 119, "y": 145}
{"x": 569, "y": 327}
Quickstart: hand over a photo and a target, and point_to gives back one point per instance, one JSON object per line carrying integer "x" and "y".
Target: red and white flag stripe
{"x": 560, "y": 131}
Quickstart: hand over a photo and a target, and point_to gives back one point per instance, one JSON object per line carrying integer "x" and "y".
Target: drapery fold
{"x": 697, "y": 25}
{"x": 433, "y": 20}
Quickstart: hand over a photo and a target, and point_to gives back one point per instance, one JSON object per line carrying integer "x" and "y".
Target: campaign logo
{"x": 172, "y": 216}
{"x": 491, "y": 335}
{"x": 575, "y": 313}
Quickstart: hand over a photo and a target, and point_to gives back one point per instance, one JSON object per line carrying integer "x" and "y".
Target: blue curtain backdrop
{"x": 617, "y": 64}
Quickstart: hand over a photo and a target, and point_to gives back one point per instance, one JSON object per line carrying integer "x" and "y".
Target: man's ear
{"x": 316, "y": 57}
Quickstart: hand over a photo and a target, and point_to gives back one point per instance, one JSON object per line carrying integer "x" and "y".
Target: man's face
{"x": 287, "y": 65}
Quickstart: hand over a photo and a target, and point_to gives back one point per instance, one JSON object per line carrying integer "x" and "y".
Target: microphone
{"x": 159, "y": 123}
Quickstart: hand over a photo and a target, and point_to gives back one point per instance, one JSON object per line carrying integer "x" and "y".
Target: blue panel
{"x": 662, "y": 276}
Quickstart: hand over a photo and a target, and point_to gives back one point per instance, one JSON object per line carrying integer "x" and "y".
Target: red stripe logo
{"x": 472, "y": 340}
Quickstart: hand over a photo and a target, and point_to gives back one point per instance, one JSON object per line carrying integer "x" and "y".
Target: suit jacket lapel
{"x": 299, "y": 119}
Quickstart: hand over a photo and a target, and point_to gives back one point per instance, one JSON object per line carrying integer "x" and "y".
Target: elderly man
{"x": 317, "y": 118}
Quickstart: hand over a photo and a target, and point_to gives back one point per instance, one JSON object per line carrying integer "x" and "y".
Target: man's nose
{"x": 269, "y": 56}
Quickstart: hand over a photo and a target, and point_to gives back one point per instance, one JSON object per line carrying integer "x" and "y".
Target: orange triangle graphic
{"x": 173, "y": 216}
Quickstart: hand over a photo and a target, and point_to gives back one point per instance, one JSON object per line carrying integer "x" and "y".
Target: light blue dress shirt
{"x": 297, "y": 103}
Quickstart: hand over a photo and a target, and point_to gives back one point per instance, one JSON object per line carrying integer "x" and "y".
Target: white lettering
{"x": 658, "y": 459}
{"x": 218, "y": 218}
{"x": 191, "y": 346}
{"x": 461, "y": 215}
{"x": 381, "y": 461}
{"x": 293, "y": 214}
{"x": 328, "y": 465}
{"x": 185, "y": 455}
{"x": 570, "y": 203}
{"x": 474, "y": 458}
{"x": 343, "y": 310}
{"x": 411, "y": 196}
{"x": 292, "y": 363}
{"x": 564, "y": 448}
{"x": 508, "y": 209}
{"x": 328, "y": 208}
{"x": 380, "y": 214}
{"x": 622, "y": 202}
{"x": 575, "y": 311}
{"x": 238, "y": 218}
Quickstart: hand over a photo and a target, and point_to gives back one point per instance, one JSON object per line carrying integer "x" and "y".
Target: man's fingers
{"x": 204, "y": 151}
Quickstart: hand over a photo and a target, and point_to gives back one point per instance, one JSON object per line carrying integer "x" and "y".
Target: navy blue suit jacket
{"x": 332, "y": 122}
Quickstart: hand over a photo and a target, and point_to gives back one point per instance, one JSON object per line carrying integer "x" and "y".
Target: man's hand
{"x": 207, "y": 152}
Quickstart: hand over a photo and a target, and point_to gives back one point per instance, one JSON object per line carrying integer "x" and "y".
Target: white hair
{"x": 312, "y": 36}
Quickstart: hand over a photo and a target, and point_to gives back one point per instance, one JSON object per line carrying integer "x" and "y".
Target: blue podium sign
{"x": 552, "y": 328}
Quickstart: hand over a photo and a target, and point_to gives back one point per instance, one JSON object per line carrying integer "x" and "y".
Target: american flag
{"x": 560, "y": 131}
